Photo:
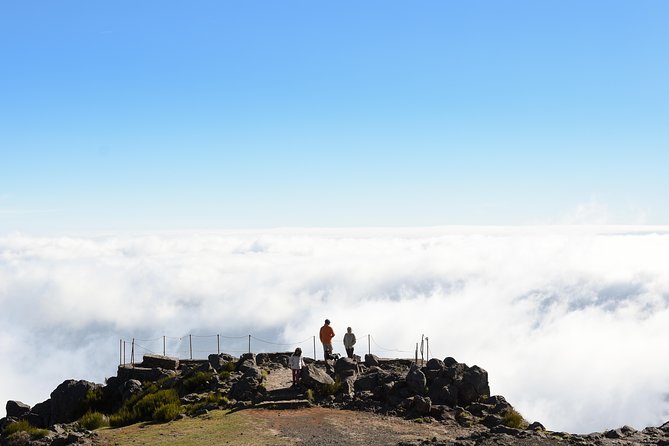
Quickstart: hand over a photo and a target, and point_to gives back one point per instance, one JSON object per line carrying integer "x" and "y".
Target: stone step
{"x": 283, "y": 404}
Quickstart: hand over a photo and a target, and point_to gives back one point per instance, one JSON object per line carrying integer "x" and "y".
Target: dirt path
{"x": 319, "y": 426}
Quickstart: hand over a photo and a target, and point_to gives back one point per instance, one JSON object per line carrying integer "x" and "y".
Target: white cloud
{"x": 569, "y": 322}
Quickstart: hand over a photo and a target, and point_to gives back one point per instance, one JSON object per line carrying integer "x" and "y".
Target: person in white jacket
{"x": 349, "y": 342}
{"x": 296, "y": 365}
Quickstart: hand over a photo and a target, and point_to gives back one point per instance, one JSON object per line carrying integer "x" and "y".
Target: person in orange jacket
{"x": 326, "y": 335}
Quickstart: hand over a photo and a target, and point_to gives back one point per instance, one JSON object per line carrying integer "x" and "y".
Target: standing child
{"x": 296, "y": 365}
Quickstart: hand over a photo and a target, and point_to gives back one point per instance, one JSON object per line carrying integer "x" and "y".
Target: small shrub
{"x": 214, "y": 398}
{"x": 24, "y": 426}
{"x": 512, "y": 418}
{"x": 310, "y": 395}
{"x": 229, "y": 366}
{"x": 197, "y": 381}
{"x": 143, "y": 407}
{"x": 93, "y": 420}
{"x": 331, "y": 389}
{"x": 124, "y": 417}
{"x": 224, "y": 375}
{"x": 146, "y": 406}
{"x": 167, "y": 412}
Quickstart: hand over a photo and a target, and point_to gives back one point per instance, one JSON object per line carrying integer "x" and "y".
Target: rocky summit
{"x": 162, "y": 389}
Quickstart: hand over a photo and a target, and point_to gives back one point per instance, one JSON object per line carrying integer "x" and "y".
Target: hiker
{"x": 349, "y": 342}
{"x": 296, "y": 365}
{"x": 326, "y": 335}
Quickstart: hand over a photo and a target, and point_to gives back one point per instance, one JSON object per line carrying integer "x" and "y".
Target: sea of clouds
{"x": 571, "y": 323}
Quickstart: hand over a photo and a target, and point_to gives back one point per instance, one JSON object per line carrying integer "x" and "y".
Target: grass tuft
{"x": 24, "y": 426}
{"x": 167, "y": 412}
{"x": 93, "y": 420}
{"x": 512, "y": 418}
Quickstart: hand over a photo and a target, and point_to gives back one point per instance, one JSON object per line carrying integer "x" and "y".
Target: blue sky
{"x": 127, "y": 116}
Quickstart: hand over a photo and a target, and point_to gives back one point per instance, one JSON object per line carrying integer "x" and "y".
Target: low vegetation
{"x": 93, "y": 420}
{"x": 197, "y": 381}
{"x": 512, "y": 418}
{"x": 24, "y": 426}
{"x": 148, "y": 406}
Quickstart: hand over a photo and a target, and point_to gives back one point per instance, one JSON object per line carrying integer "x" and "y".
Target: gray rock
{"x": 219, "y": 362}
{"x": 614, "y": 433}
{"x": 126, "y": 372}
{"x": 16, "y": 409}
{"x": 163, "y": 362}
{"x": 246, "y": 361}
{"x": 130, "y": 388}
{"x": 315, "y": 378}
{"x": 246, "y": 389}
{"x": 253, "y": 372}
{"x": 263, "y": 358}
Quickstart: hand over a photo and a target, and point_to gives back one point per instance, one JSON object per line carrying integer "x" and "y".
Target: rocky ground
{"x": 249, "y": 400}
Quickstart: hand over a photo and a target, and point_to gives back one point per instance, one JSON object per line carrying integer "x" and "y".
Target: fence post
{"x": 416, "y": 358}
{"x": 218, "y": 344}
{"x": 132, "y": 353}
{"x": 123, "y": 352}
{"x": 314, "y": 348}
{"x": 190, "y": 345}
{"x": 164, "y": 350}
{"x": 249, "y": 343}
{"x": 120, "y": 352}
{"x": 427, "y": 347}
{"x": 369, "y": 344}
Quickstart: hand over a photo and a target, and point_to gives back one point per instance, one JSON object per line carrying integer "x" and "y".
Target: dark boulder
{"x": 40, "y": 414}
{"x": 366, "y": 382}
{"x": 536, "y": 426}
{"x": 126, "y": 372}
{"x": 457, "y": 384}
{"x": 246, "y": 389}
{"x": 435, "y": 364}
{"x": 421, "y": 405}
{"x": 371, "y": 360}
{"x": 16, "y": 409}
{"x": 346, "y": 367}
{"x": 416, "y": 380}
{"x": 68, "y": 398}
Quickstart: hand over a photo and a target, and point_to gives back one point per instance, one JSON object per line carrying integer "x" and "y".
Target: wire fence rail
{"x": 192, "y": 346}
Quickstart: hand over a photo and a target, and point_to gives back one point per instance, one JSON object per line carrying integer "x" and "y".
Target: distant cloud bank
{"x": 570, "y": 322}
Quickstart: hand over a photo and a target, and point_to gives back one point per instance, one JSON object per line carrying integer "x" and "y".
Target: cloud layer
{"x": 571, "y": 324}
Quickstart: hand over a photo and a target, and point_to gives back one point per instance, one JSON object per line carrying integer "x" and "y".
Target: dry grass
{"x": 218, "y": 427}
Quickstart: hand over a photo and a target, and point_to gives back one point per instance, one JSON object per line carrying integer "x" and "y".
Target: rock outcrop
{"x": 441, "y": 391}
